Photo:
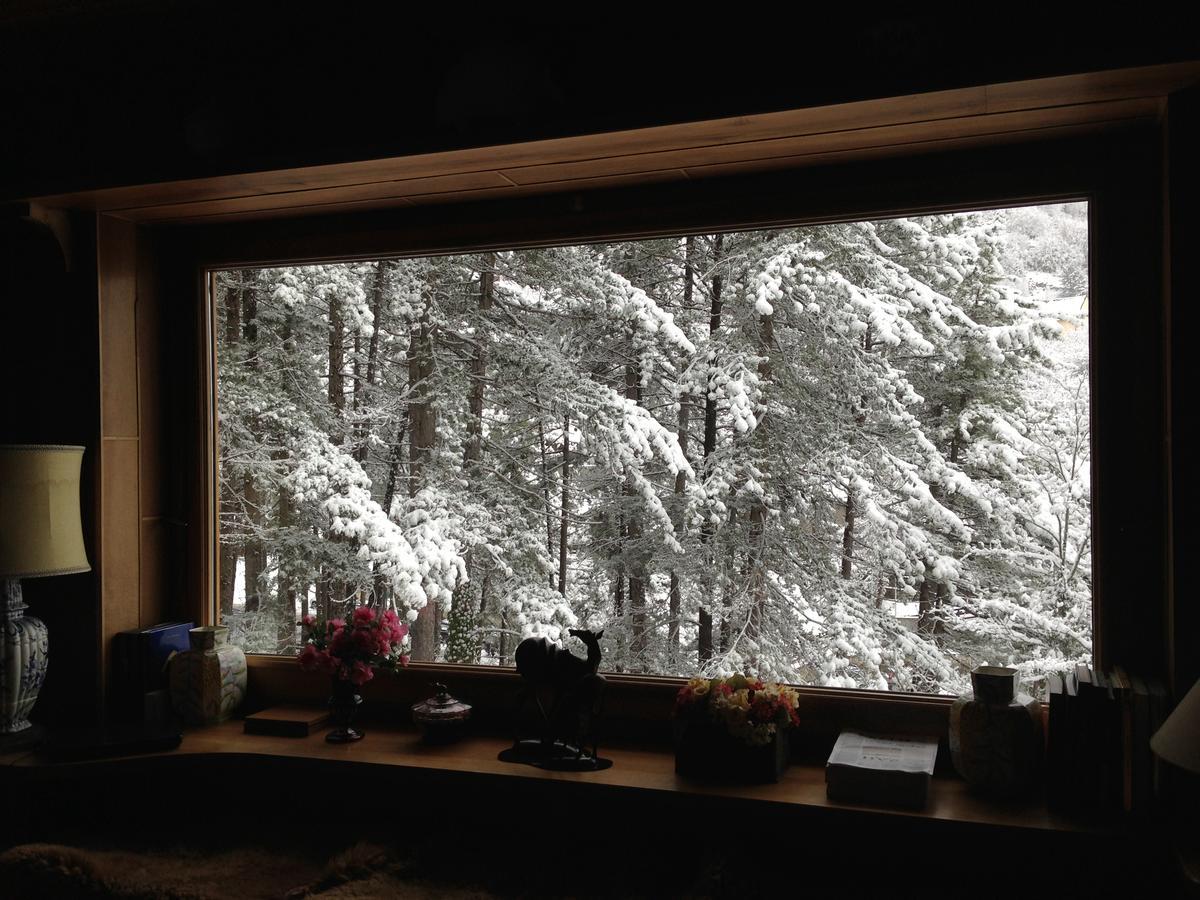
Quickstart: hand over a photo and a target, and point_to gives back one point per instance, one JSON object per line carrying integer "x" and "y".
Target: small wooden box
{"x": 706, "y": 750}
{"x": 287, "y": 721}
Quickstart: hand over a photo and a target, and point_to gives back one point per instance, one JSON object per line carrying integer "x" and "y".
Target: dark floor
{"x": 477, "y": 836}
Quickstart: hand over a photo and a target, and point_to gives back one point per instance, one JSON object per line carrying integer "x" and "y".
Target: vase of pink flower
{"x": 350, "y": 652}
{"x": 733, "y": 729}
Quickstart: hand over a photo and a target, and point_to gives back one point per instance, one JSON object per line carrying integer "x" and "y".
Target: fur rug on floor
{"x": 65, "y": 873}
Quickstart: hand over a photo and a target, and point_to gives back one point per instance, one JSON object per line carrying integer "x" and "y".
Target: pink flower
{"x": 361, "y": 673}
{"x": 336, "y": 625}
{"x": 399, "y": 632}
{"x": 326, "y": 663}
{"x": 404, "y": 660}
{"x": 340, "y": 643}
{"x": 309, "y": 658}
{"x": 363, "y": 640}
{"x": 364, "y": 615}
{"x": 309, "y": 620}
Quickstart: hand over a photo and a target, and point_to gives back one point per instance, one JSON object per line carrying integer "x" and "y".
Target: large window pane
{"x": 851, "y": 454}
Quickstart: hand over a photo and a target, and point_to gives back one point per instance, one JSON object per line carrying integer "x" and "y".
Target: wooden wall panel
{"x": 120, "y": 536}
{"x": 154, "y": 603}
{"x": 116, "y": 259}
{"x": 150, "y": 393}
{"x": 119, "y": 542}
{"x": 153, "y": 466}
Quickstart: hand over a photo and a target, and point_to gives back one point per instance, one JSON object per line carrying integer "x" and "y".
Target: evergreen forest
{"x": 851, "y": 454}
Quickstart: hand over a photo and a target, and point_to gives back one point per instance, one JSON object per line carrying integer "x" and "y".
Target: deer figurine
{"x": 576, "y": 689}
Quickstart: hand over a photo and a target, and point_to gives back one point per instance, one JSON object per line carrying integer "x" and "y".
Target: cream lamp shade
{"x": 1178, "y": 740}
{"x": 40, "y": 532}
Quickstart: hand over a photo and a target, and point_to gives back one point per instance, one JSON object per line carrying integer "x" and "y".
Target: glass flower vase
{"x": 344, "y": 701}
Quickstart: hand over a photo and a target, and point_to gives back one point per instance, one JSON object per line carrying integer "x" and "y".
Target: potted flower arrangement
{"x": 733, "y": 728}
{"x": 350, "y": 652}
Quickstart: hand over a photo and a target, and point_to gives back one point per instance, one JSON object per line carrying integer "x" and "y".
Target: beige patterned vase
{"x": 24, "y": 653}
{"x": 996, "y": 735}
{"x": 208, "y": 681}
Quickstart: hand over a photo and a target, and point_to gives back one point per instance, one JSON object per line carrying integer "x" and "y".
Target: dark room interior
{"x": 151, "y": 148}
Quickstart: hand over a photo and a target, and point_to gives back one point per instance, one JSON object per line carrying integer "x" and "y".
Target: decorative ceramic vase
{"x": 996, "y": 735}
{"x": 441, "y": 718}
{"x": 343, "y": 705}
{"x": 208, "y": 681}
{"x": 706, "y": 750}
{"x": 24, "y": 649}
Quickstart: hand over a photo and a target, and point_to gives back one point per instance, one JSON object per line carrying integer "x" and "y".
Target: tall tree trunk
{"x": 756, "y": 560}
{"x": 422, "y": 418}
{"x": 337, "y": 359}
{"x": 707, "y": 531}
{"x": 473, "y": 446}
{"x": 546, "y": 496}
{"x": 925, "y": 607}
{"x": 395, "y": 466}
{"x": 730, "y": 567}
{"x": 756, "y": 576}
{"x": 502, "y": 651}
{"x": 362, "y": 450}
{"x": 233, "y": 317}
{"x": 324, "y": 606}
{"x": 229, "y": 542}
{"x": 286, "y": 600}
{"x": 256, "y": 556}
{"x": 635, "y": 552}
{"x": 229, "y": 561}
{"x": 943, "y": 598}
{"x": 422, "y": 429}
{"x": 848, "y": 533}
{"x": 675, "y": 593}
{"x": 619, "y": 589}
{"x": 564, "y": 506}
{"x": 255, "y": 553}
{"x": 356, "y": 374}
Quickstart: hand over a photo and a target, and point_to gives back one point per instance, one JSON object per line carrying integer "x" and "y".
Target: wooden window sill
{"x": 802, "y": 788}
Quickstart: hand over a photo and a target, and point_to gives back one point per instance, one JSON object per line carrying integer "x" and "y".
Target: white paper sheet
{"x": 887, "y": 754}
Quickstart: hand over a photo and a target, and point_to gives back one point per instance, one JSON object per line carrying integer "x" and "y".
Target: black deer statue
{"x": 567, "y": 693}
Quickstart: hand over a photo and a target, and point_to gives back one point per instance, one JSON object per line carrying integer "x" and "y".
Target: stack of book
{"x": 882, "y": 771}
{"x": 140, "y": 659}
{"x": 1098, "y": 732}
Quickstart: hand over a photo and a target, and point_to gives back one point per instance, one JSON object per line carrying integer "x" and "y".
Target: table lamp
{"x": 1178, "y": 740}
{"x": 40, "y": 535}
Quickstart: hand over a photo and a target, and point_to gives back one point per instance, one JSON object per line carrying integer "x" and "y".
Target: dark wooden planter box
{"x": 705, "y": 750}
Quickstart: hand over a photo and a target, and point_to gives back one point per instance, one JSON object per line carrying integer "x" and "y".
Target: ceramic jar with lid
{"x": 208, "y": 681}
{"x": 996, "y": 734}
{"x": 441, "y": 718}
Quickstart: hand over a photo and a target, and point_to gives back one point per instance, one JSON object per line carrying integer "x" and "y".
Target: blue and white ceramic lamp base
{"x": 24, "y": 654}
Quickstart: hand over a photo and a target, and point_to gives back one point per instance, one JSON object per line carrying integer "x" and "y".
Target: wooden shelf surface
{"x": 802, "y": 786}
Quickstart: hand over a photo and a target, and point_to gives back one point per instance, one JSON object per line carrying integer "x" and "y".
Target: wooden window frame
{"x": 1100, "y": 138}
{"x": 1024, "y": 173}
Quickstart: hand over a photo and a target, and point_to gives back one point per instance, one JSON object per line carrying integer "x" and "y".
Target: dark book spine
{"x": 1057, "y": 736}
